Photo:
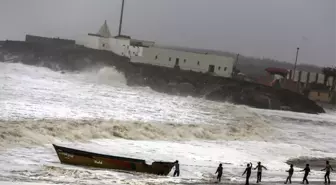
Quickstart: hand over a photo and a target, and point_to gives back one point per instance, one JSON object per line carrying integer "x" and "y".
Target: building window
{"x": 225, "y": 68}
{"x": 198, "y": 63}
{"x": 185, "y": 60}
{"x": 219, "y": 67}
{"x": 156, "y": 57}
{"x": 103, "y": 45}
{"x": 169, "y": 58}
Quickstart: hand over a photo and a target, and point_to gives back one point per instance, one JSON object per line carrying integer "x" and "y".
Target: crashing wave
{"x": 38, "y": 132}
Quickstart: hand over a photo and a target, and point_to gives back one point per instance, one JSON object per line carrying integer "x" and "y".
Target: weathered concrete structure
{"x": 147, "y": 53}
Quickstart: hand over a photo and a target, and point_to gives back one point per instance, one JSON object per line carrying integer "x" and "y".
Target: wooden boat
{"x": 83, "y": 158}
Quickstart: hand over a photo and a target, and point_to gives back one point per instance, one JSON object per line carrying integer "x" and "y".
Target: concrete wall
{"x": 143, "y": 43}
{"x": 119, "y": 46}
{"x": 312, "y": 77}
{"x": 89, "y": 42}
{"x": 320, "y": 96}
{"x": 104, "y": 44}
{"x": 320, "y": 78}
{"x": 187, "y": 60}
{"x": 49, "y": 41}
{"x": 304, "y": 76}
{"x": 309, "y": 77}
{"x": 330, "y": 81}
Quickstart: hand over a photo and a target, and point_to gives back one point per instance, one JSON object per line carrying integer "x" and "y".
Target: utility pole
{"x": 237, "y": 58}
{"x": 121, "y": 17}
{"x": 297, "y": 54}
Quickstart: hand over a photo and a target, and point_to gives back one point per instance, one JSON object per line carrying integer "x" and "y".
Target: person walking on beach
{"x": 306, "y": 170}
{"x": 259, "y": 173}
{"x": 248, "y": 173}
{"x": 290, "y": 174}
{"x": 220, "y": 172}
{"x": 177, "y": 168}
{"x": 328, "y": 168}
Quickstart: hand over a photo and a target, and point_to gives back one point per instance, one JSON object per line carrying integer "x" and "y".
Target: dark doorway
{"x": 211, "y": 69}
{"x": 177, "y": 63}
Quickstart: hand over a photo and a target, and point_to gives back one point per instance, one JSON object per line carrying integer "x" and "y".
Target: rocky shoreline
{"x": 165, "y": 80}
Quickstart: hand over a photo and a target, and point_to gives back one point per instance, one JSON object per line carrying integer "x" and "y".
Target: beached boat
{"x": 84, "y": 158}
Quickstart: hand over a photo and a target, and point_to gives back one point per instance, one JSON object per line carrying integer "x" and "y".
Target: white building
{"x": 146, "y": 52}
{"x": 104, "y": 41}
{"x": 198, "y": 62}
{"x": 309, "y": 77}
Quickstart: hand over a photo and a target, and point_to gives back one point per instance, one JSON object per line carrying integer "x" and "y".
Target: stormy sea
{"x": 95, "y": 110}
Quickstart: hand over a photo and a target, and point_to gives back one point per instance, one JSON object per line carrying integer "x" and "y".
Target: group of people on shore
{"x": 260, "y": 167}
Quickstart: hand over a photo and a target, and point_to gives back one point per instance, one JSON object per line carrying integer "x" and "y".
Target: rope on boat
{"x": 205, "y": 166}
{"x": 199, "y": 166}
{"x": 215, "y": 167}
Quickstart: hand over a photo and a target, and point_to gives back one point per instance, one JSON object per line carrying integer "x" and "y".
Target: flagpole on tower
{"x": 121, "y": 17}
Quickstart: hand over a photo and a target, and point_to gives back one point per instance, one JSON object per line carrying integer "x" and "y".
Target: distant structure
{"x": 318, "y": 87}
{"x": 304, "y": 78}
{"x": 146, "y": 52}
{"x": 50, "y": 41}
{"x": 142, "y": 43}
{"x": 140, "y": 51}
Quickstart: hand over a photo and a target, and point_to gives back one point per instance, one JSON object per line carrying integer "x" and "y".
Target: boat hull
{"x": 84, "y": 158}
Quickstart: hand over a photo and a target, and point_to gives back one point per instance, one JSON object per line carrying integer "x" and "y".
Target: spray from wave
{"x": 103, "y": 75}
{"x": 37, "y": 132}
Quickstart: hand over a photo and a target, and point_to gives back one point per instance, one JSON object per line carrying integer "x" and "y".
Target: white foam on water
{"x": 39, "y": 132}
{"x": 95, "y": 110}
{"x": 198, "y": 161}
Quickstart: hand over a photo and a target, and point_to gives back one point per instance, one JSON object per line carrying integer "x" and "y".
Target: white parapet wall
{"x": 198, "y": 62}
{"x": 320, "y": 78}
{"x": 308, "y": 77}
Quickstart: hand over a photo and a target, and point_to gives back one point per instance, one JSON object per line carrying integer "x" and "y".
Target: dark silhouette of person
{"x": 306, "y": 170}
{"x": 290, "y": 174}
{"x": 248, "y": 173}
{"x": 328, "y": 168}
{"x": 259, "y": 173}
{"x": 220, "y": 172}
{"x": 177, "y": 168}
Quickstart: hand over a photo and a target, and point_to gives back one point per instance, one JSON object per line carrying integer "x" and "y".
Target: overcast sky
{"x": 260, "y": 28}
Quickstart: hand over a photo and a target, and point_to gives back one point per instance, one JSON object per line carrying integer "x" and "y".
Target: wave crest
{"x": 37, "y": 132}
{"x": 104, "y": 75}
